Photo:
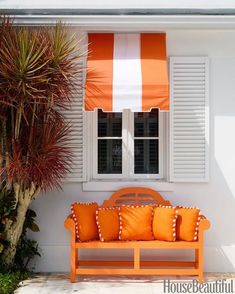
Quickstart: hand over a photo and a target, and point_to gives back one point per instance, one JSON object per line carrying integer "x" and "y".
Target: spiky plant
{"x": 38, "y": 77}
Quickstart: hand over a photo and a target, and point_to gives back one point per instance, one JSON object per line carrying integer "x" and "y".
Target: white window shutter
{"x": 75, "y": 117}
{"x": 189, "y": 119}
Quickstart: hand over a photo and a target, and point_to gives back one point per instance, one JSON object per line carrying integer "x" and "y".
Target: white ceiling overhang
{"x": 117, "y": 4}
{"x": 122, "y": 14}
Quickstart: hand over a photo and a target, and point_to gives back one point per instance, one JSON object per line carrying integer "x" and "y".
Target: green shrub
{"x": 9, "y": 281}
{"x": 7, "y": 211}
{"x": 26, "y": 248}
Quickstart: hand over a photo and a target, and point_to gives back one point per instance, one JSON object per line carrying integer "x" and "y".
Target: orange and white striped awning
{"x": 127, "y": 71}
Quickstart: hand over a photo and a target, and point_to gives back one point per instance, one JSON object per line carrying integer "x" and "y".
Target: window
{"x": 146, "y": 142}
{"x": 127, "y": 145}
{"x": 183, "y": 140}
{"x": 109, "y": 143}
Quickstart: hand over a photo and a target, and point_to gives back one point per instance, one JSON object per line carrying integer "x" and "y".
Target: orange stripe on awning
{"x": 155, "y": 87}
{"x": 99, "y": 78}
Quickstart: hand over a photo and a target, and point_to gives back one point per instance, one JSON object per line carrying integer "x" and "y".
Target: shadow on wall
{"x": 215, "y": 199}
{"x": 220, "y": 209}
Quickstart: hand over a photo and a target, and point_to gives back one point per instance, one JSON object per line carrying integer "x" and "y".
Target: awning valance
{"x": 127, "y": 71}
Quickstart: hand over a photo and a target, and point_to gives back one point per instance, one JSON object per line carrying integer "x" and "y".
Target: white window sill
{"x": 114, "y": 185}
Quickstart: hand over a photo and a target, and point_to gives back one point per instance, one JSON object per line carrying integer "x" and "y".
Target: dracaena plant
{"x": 38, "y": 78}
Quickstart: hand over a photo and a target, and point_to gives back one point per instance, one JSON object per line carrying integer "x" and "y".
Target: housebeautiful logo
{"x": 219, "y": 286}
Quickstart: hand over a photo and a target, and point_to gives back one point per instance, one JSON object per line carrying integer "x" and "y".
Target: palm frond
{"x": 38, "y": 77}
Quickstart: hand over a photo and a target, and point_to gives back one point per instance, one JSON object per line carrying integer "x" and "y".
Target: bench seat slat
{"x": 139, "y": 244}
{"x": 149, "y": 263}
{"x": 132, "y": 271}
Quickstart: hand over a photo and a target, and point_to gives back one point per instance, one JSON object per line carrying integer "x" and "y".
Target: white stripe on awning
{"x": 127, "y": 77}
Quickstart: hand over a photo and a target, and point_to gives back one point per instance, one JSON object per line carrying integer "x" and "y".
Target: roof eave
{"x": 130, "y": 22}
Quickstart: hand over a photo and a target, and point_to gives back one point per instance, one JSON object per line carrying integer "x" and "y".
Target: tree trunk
{"x": 13, "y": 229}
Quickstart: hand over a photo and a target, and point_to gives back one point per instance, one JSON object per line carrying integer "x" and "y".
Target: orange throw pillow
{"x": 84, "y": 215}
{"x": 187, "y": 223}
{"x": 107, "y": 220}
{"x": 164, "y": 223}
{"x": 136, "y": 223}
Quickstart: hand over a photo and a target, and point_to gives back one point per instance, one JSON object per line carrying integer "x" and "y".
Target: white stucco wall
{"x": 216, "y": 198}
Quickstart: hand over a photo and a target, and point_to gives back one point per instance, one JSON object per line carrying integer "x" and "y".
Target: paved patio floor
{"x": 60, "y": 284}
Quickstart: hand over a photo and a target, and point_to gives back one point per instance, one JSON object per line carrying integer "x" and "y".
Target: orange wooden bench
{"x": 136, "y": 196}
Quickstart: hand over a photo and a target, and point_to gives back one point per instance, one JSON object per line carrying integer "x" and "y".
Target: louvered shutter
{"x": 189, "y": 119}
{"x": 75, "y": 116}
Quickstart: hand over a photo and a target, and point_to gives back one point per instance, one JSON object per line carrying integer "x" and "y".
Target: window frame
{"x": 127, "y": 153}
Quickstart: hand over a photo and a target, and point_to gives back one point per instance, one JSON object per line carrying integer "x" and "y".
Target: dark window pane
{"x": 109, "y": 156}
{"x": 146, "y": 156}
{"x": 146, "y": 123}
{"x": 109, "y": 124}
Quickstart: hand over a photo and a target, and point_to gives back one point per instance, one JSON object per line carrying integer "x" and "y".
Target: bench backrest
{"x": 135, "y": 196}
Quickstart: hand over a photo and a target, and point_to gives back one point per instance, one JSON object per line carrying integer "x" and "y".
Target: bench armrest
{"x": 70, "y": 225}
{"x": 204, "y": 224}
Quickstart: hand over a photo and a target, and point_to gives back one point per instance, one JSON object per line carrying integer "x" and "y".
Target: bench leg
{"x": 199, "y": 263}
{"x": 137, "y": 258}
{"x": 73, "y": 264}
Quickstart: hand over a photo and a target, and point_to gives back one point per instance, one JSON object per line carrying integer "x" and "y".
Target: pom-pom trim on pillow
{"x": 75, "y": 218}
{"x": 174, "y": 220}
{"x": 196, "y": 231}
{"x": 97, "y": 219}
{"x": 133, "y": 206}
